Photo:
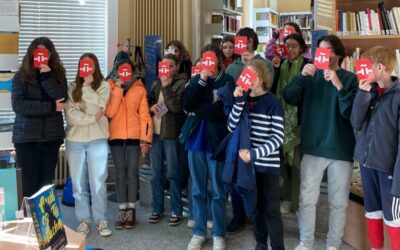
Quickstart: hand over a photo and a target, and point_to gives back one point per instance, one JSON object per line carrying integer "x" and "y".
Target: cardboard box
{"x": 12, "y": 238}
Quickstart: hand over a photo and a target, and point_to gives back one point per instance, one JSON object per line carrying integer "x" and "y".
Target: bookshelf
{"x": 303, "y": 19}
{"x": 265, "y": 22}
{"x": 220, "y": 17}
{"x": 357, "y": 39}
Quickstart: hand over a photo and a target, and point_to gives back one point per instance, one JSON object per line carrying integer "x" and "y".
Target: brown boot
{"x": 130, "y": 218}
{"x": 119, "y": 224}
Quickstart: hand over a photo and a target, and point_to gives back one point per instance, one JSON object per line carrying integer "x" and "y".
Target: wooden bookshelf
{"x": 365, "y": 41}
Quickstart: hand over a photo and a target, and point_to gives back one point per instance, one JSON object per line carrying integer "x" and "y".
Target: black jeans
{"x": 38, "y": 162}
{"x": 268, "y": 216}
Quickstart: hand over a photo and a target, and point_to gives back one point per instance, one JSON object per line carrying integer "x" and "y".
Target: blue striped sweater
{"x": 266, "y": 136}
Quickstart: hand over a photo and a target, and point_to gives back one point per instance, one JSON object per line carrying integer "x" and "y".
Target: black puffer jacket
{"x": 36, "y": 117}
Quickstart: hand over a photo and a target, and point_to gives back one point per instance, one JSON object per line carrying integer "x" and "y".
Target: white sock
{"x": 131, "y": 205}
{"x": 122, "y": 206}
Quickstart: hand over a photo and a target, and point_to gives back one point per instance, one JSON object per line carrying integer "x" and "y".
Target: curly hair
{"x": 97, "y": 78}
{"x": 183, "y": 53}
{"x": 29, "y": 72}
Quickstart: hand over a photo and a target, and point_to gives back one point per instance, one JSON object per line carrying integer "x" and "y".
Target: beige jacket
{"x": 81, "y": 117}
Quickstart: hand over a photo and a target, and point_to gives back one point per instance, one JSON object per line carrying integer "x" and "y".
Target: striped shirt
{"x": 267, "y": 132}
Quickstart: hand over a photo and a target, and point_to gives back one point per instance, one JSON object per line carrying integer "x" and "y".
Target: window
{"x": 74, "y": 26}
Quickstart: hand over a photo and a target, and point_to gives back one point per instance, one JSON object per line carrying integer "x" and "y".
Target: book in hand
{"x": 47, "y": 219}
{"x": 162, "y": 110}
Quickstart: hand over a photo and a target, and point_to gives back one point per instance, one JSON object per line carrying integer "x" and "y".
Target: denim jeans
{"x": 339, "y": 176}
{"x": 204, "y": 169}
{"x": 88, "y": 167}
{"x": 209, "y": 198}
{"x": 169, "y": 150}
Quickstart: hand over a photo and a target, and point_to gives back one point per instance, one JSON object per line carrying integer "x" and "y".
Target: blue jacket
{"x": 238, "y": 174}
{"x": 377, "y": 119}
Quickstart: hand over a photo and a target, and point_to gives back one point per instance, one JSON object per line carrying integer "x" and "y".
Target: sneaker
{"x": 286, "y": 207}
{"x": 301, "y": 246}
{"x": 103, "y": 228}
{"x": 218, "y": 243}
{"x": 83, "y": 228}
{"x": 190, "y": 224}
{"x": 130, "y": 218}
{"x": 196, "y": 242}
{"x": 234, "y": 227}
{"x": 209, "y": 224}
{"x": 119, "y": 224}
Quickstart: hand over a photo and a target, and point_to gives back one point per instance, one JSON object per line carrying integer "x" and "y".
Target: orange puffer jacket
{"x": 130, "y": 115}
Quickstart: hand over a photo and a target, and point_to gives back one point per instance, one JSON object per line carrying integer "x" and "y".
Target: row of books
{"x": 377, "y": 21}
{"x": 349, "y": 65}
{"x": 269, "y": 17}
{"x": 229, "y": 23}
{"x": 304, "y": 21}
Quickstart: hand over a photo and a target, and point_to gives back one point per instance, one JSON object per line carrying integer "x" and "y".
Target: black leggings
{"x": 38, "y": 162}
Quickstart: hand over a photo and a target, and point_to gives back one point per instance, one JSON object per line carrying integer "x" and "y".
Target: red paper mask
{"x": 280, "y": 50}
{"x": 196, "y": 70}
{"x": 86, "y": 67}
{"x": 284, "y": 32}
{"x": 246, "y": 78}
{"x": 363, "y": 69}
{"x": 164, "y": 69}
{"x": 40, "y": 56}
{"x": 125, "y": 72}
{"x": 322, "y": 57}
{"x": 209, "y": 61}
{"x": 240, "y": 44}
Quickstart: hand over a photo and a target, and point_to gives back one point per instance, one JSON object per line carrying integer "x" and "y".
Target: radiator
{"x": 61, "y": 172}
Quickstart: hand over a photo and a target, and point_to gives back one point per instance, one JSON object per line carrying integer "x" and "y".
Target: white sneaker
{"x": 190, "y": 224}
{"x": 286, "y": 207}
{"x": 218, "y": 243}
{"x": 209, "y": 224}
{"x": 83, "y": 228}
{"x": 301, "y": 246}
{"x": 103, "y": 228}
{"x": 196, "y": 242}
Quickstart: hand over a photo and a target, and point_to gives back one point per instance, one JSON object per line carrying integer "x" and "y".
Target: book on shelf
{"x": 216, "y": 18}
{"x": 349, "y": 61}
{"x": 47, "y": 220}
{"x": 379, "y": 21}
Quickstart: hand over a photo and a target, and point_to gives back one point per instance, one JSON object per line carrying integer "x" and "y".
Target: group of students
{"x": 296, "y": 121}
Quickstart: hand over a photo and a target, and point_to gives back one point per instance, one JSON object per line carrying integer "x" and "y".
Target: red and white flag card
{"x": 164, "y": 69}
{"x": 209, "y": 61}
{"x": 86, "y": 67}
{"x": 322, "y": 57}
{"x": 240, "y": 44}
{"x": 246, "y": 78}
{"x": 363, "y": 68}
{"x": 280, "y": 50}
{"x": 196, "y": 70}
{"x": 40, "y": 57}
{"x": 284, "y": 32}
{"x": 125, "y": 72}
